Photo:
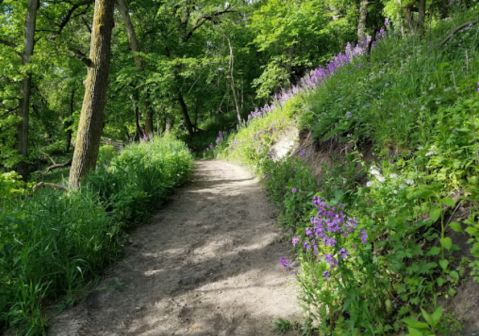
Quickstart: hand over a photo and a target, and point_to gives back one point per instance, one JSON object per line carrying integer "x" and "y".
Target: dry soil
{"x": 206, "y": 265}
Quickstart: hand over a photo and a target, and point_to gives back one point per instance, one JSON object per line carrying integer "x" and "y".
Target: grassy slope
{"x": 415, "y": 104}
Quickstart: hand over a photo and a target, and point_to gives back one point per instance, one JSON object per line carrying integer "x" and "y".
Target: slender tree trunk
{"x": 184, "y": 109}
{"x": 421, "y": 16}
{"x": 25, "y": 91}
{"x": 91, "y": 119}
{"x": 130, "y": 31}
{"x": 363, "y": 15}
{"x": 233, "y": 88}
{"x": 69, "y": 123}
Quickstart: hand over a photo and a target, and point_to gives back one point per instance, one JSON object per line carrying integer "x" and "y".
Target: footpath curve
{"x": 208, "y": 264}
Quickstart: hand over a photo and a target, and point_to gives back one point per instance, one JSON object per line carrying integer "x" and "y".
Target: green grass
{"x": 53, "y": 244}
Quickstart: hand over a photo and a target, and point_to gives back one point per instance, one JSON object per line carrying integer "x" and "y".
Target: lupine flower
{"x": 326, "y": 275}
{"x": 363, "y": 236}
{"x": 343, "y": 253}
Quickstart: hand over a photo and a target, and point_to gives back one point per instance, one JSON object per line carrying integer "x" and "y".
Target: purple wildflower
{"x": 326, "y": 275}
{"x": 343, "y": 253}
{"x": 363, "y": 236}
{"x": 295, "y": 240}
{"x": 294, "y": 190}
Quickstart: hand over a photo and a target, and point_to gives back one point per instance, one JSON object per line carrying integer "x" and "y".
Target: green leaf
{"x": 436, "y": 316}
{"x": 448, "y": 201}
{"x": 472, "y": 231}
{"x": 444, "y": 263}
{"x": 433, "y": 251}
{"x": 414, "y": 323}
{"x": 455, "y": 226}
{"x": 452, "y": 291}
{"x": 440, "y": 281}
{"x": 446, "y": 243}
{"x": 454, "y": 275}
{"x": 435, "y": 213}
{"x": 414, "y": 332}
{"x": 427, "y": 317}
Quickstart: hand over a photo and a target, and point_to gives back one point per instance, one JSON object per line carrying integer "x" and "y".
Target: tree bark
{"x": 91, "y": 119}
{"x": 130, "y": 32}
{"x": 184, "y": 109}
{"x": 363, "y": 15}
{"x": 132, "y": 39}
{"x": 233, "y": 87}
{"x": 69, "y": 123}
{"x": 421, "y": 16}
{"x": 25, "y": 91}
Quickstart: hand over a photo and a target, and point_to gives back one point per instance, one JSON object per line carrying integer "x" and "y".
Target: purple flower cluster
{"x": 329, "y": 224}
{"x": 219, "y": 139}
{"x": 289, "y": 265}
{"x": 317, "y": 77}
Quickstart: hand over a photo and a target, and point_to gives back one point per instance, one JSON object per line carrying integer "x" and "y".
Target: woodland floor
{"x": 206, "y": 265}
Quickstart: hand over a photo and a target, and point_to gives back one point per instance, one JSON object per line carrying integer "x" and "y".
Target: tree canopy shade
{"x": 173, "y": 65}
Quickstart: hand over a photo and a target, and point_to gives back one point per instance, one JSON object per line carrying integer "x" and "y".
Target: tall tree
{"x": 91, "y": 118}
{"x": 363, "y": 15}
{"x": 25, "y": 92}
{"x": 134, "y": 45}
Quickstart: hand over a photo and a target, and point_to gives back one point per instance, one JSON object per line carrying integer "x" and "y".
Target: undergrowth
{"x": 372, "y": 236}
{"x": 55, "y": 243}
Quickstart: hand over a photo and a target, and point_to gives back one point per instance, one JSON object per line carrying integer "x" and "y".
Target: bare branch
{"x": 458, "y": 28}
{"x": 70, "y": 12}
{"x": 205, "y": 18}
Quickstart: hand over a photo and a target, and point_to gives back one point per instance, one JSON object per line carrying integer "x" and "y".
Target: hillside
{"x": 386, "y": 151}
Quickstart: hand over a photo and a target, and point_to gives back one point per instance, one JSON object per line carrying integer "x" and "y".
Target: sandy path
{"x": 206, "y": 265}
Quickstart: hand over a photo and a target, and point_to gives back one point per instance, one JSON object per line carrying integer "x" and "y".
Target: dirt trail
{"x": 207, "y": 265}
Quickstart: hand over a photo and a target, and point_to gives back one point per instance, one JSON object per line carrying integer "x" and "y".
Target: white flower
{"x": 395, "y": 192}
{"x": 374, "y": 171}
{"x": 423, "y": 108}
{"x": 393, "y": 176}
{"x": 433, "y": 147}
{"x": 402, "y": 186}
{"x": 430, "y": 153}
{"x": 410, "y": 182}
{"x": 381, "y": 178}
{"x": 420, "y": 148}
{"x": 370, "y": 184}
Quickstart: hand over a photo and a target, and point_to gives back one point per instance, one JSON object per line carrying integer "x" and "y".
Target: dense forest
{"x": 104, "y": 104}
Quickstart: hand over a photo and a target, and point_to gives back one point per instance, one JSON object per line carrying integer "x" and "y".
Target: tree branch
{"x": 11, "y": 45}
{"x": 81, "y": 56}
{"x": 203, "y": 19}
{"x": 70, "y": 12}
{"x": 455, "y": 30}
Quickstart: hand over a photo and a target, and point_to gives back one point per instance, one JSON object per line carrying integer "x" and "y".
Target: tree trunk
{"x": 91, "y": 119}
{"x": 69, "y": 123}
{"x": 149, "y": 124}
{"x": 184, "y": 109}
{"x": 233, "y": 88}
{"x": 25, "y": 91}
{"x": 130, "y": 31}
{"x": 421, "y": 16}
{"x": 363, "y": 15}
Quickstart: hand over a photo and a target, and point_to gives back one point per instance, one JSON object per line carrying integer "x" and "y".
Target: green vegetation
{"x": 54, "y": 243}
{"x": 399, "y": 133}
